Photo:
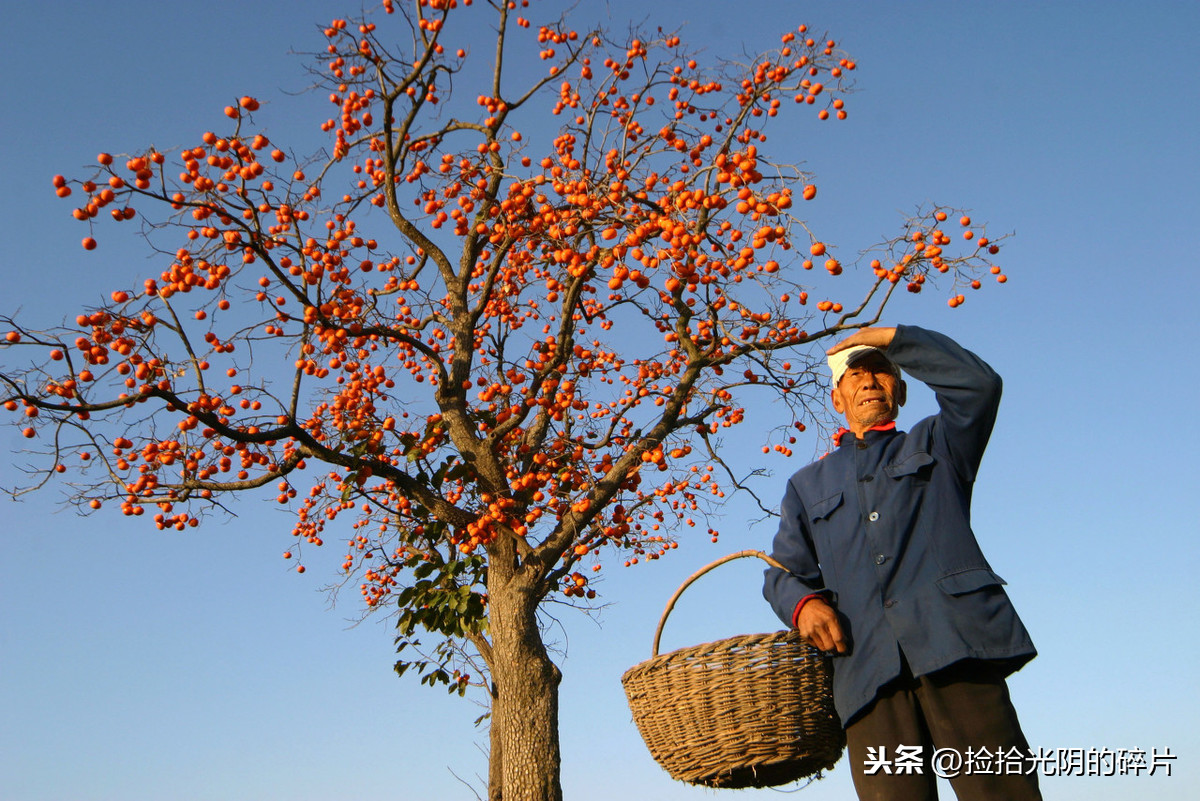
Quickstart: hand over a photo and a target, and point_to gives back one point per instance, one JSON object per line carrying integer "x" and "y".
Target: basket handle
{"x": 662, "y": 621}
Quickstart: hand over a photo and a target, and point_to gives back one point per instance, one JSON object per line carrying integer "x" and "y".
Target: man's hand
{"x": 875, "y": 337}
{"x": 818, "y": 624}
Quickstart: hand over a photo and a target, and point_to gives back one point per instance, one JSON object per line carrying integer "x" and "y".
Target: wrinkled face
{"x": 869, "y": 393}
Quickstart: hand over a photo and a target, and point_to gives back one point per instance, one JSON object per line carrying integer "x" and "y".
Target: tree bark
{"x": 495, "y": 750}
{"x": 524, "y": 727}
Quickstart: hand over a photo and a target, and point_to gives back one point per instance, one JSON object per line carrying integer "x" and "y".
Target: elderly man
{"x": 884, "y": 571}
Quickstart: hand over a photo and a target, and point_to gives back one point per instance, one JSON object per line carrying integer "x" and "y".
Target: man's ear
{"x": 901, "y": 393}
{"x": 835, "y": 398}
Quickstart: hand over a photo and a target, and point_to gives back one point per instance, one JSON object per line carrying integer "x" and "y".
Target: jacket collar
{"x": 843, "y": 431}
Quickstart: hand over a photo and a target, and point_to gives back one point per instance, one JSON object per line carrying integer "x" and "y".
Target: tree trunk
{"x": 524, "y": 735}
{"x": 495, "y": 750}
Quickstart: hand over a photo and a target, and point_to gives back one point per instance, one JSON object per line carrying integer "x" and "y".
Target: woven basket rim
{"x": 791, "y": 637}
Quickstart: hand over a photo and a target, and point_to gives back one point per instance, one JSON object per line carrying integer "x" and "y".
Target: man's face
{"x": 869, "y": 393}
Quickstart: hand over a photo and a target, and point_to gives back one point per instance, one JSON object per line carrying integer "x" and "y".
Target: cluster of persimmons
{"x": 568, "y": 290}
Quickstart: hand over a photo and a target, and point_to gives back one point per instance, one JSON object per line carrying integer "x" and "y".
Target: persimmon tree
{"x": 488, "y": 338}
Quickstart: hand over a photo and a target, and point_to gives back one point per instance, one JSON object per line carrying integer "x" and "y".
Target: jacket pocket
{"x": 824, "y": 507}
{"x": 910, "y": 465}
{"x": 965, "y": 581}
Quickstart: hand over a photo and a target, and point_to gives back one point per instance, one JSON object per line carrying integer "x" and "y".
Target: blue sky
{"x": 136, "y": 664}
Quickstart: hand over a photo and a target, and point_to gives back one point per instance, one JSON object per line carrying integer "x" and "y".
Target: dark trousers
{"x": 963, "y": 708}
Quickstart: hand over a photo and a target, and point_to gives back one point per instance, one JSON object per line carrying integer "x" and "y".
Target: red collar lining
{"x": 843, "y": 431}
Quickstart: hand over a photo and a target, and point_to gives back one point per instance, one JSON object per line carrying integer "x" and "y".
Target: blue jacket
{"x": 884, "y": 525}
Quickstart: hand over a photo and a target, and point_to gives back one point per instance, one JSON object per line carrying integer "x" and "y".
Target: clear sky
{"x": 197, "y": 666}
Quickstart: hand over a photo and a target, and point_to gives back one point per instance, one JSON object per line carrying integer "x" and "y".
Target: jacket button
{"x": 862, "y": 444}
{"x": 889, "y": 603}
{"x": 880, "y": 559}
{"x": 873, "y": 516}
{"x": 867, "y": 477}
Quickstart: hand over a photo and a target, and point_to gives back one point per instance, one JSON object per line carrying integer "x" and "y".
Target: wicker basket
{"x": 749, "y": 711}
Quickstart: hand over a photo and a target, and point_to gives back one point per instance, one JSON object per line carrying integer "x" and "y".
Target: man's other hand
{"x": 874, "y": 337}
{"x": 818, "y": 624}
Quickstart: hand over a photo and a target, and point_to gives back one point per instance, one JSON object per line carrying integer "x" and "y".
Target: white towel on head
{"x": 840, "y": 361}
